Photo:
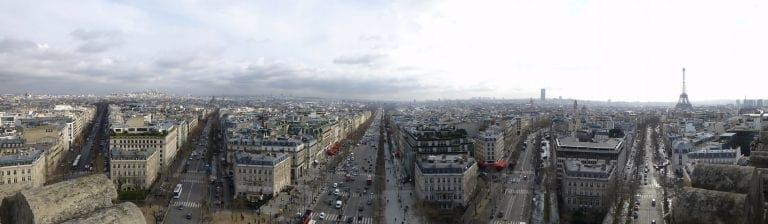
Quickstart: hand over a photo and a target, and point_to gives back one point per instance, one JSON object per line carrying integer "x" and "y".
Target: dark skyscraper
{"x": 543, "y": 94}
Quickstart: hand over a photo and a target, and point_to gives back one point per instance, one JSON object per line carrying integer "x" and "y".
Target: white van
{"x": 338, "y": 204}
{"x": 335, "y": 185}
{"x": 336, "y": 191}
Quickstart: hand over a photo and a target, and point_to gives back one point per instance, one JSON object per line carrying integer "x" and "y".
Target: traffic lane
{"x": 189, "y": 202}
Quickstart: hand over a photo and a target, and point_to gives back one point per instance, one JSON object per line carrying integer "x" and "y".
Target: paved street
{"x": 354, "y": 192}
{"x": 652, "y": 190}
{"x": 515, "y": 198}
{"x": 86, "y": 152}
{"x": 397, "y": 195}
{"x": 194, "y": 180}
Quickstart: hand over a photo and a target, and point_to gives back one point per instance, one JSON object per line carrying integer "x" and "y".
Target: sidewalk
{"x": 398, "y": 196}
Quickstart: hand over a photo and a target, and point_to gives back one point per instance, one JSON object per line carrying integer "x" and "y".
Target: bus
{"x": 177, "y": 191}
{"x": 77, "y": 160}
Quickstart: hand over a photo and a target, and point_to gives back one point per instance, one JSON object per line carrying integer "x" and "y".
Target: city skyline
{"x": 588, "y": 50}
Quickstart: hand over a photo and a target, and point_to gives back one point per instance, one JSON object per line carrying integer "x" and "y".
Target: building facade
{"x": 26, "y": 169}
{"x": 162, "y": 138}
{"x": 134, "y": 169}
{"x": 490, "y": 147}
{"x": 448, "y": 180}
{"x": 259, "y": 174}
{"x": 586, "y": 167}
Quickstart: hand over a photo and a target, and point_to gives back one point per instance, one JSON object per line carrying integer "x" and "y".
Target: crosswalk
{"x": 499, "y": 221}
{"x": 187, "y": 204}
{"x": 647, "y": 196}
{"x": 515, "y": 191}
{"x": 198, "y": 178}
{"x": 333, "y": 218}
{"x": 346, "y": 194}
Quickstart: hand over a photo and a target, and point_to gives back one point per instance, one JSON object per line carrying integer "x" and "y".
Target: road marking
{"x": 187, "y": 204}
{"x": 331, "y": 217}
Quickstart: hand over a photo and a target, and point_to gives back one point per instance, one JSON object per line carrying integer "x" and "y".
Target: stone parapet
{"x": 59, "y": 202}
{"x": 125, "y": 213}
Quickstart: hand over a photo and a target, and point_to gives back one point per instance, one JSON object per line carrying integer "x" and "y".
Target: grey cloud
{"x": 66, "y": 71}
{"x": 280, "y": 77}
{"x": 363, "y": 59}
{"x": 95, "y": 41}
{"x": 11, "y": 45}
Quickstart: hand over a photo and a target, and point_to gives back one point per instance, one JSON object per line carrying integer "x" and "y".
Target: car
{"x": 181, "y": 207}
{"x": 335, "y": 185}
{"x": 350, "y": 220}
{"x": 321, "y": 216}
{"x": 499, "y": 215}
{"x": 360, "y": 209}
{"x": 653, "y": 221}
{"x": 653, "y": 202}
{"x": 338, "y": 204}
{"x": 369, "y": 202}
{"x": 330, "y": 192}
{"x": 189, "y": 215}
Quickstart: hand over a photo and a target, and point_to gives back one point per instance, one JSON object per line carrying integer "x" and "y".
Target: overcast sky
{"x": 597, "y": 50}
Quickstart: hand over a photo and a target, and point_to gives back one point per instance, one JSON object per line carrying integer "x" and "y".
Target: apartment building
{"x": 585, "y": 184}
{"x": 134, "y": 169}
{"x": 52, "y": 135}
{"x": 585, "y": 167}
{"x": 447, "y": 180}
{"x": 412, "y": 141}
{"x": 490, "y": 148}
{"x": 293, "y": 147}
{"x": 161, "y": 137}
{"x": 27, "y": 169}
{"x": 13, "y": 146}
{"x": 257, "y": 174}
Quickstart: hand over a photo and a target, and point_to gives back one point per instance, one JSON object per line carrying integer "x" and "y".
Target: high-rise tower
{"x": 683, "y": 103}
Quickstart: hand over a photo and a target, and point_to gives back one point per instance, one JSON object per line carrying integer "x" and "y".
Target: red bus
{"x": 334, "y": 149}
{"x": 307, "y": 218}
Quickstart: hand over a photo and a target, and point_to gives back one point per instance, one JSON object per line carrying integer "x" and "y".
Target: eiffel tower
{"x": 683, "y": 104}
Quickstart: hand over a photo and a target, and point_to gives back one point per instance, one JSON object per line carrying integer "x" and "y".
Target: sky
{"x": 400, "y": 49}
